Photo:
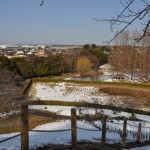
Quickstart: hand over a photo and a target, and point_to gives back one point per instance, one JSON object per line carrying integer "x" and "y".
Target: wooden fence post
{"x": 124, "y": 131}
{"x": 24, "y": 126}
{"x": 139, "y": 133}
{"x": 104, "y": 129}
{"x": 73, "y": 128}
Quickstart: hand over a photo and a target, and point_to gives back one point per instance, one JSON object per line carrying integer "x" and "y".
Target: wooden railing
{"x": 24, "y": 117}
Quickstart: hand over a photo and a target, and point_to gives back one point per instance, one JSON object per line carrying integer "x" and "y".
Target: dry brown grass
{"x": 34, "y": 120}
{"x": 9, "y": 129}
{"x": 139, "y": 97}
{"x": 126, "y": 91}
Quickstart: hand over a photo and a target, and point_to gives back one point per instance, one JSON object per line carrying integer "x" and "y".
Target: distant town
{"x": 12, "y": 51}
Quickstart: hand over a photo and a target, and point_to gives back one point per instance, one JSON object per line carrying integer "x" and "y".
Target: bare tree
{"x": 131, "y": 58}
{"x": 129, "y": 14}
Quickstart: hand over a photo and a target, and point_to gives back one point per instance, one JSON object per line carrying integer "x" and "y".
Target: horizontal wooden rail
{"x": 49, "y": 115}
{"x": 104, "y": 120}
{"x": 50, "y": 130}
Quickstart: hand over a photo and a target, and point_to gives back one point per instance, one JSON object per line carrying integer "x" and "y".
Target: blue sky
{"x": 57, "y": 21}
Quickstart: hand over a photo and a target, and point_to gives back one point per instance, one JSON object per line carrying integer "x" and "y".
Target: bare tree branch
{"x": 128, "y": 16}
{"x": 42, "y": 2}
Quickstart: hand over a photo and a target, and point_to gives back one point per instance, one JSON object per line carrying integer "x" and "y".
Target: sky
{"x": 56, "y": 22}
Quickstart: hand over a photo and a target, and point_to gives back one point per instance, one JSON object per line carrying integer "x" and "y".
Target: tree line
{"x": 126, "y": 56}
{"x": 130, "y": 57}
{"x": 56, "y": 64}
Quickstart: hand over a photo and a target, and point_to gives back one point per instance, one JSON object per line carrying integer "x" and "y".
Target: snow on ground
{"x": 57, "y": 137}
{"x": 39, "y": 138}
{"x": 62, "y": 91}
{"x": 70, "y": 92}
{"x": 61, "y": 110}
{"x": 11, "y": 144}
{"x": 66, "y": 110}
{"x": 73, "y": 92}
{"x": 141, "y": 148}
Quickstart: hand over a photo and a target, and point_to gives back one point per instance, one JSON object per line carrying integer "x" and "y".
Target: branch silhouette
{"x": 128, "y": 16}
{"x": 42, "y": 2}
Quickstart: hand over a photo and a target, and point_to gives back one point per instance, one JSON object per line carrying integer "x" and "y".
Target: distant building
{"x": 2, "y": 46}
{"x": 40, "y": 53}
{"x": 105, "y": 68}
{"x": 1, "y": 52}
{"x": 10, "y": 52}
{"x": 20, "y": 53}
{"x": 29, "y": 53}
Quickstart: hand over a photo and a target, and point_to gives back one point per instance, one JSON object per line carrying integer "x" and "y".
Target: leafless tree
{"x": 130, "y": 58}
{"x": 129, "y": 14}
